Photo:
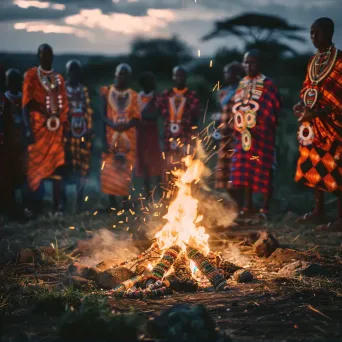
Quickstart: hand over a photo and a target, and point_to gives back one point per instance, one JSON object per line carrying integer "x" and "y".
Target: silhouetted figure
{"x": 78, "y": 145}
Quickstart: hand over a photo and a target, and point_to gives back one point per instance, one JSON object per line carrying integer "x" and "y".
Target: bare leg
{"x": 237, "y": 196}
{"x": 249, "y": 199}
{"x": 80, "y": 185}
{"x": 318, "y": 213}
{"x": 57, "y": 186}
{"x": 337, "y": 225}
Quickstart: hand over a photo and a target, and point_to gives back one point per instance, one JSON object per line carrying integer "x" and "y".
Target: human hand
{"x": 298, "y": 109}
{"x": 308, "y": 115}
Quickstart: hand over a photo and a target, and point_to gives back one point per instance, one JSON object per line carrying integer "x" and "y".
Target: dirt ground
{"x": 271, "y": 308}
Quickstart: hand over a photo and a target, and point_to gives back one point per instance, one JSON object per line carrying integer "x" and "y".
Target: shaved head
{"x": 122, "y": 74}
{"x": 73, "y": 63}
{"x": 255, "y": 53}
{"x": 123, "y": 67}
{"x": 321, "y": 32}
{"x": 44, "y": 47}
{"x": 326, "y": 25}
{"x": 45, "y": 55}
{"x": 251, "y": 62}
{"x": 178, "y": 68}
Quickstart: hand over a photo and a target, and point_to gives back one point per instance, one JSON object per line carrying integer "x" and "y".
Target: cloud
{"x": 47, "y": 27}
{"x": 38, "y": 4}
{"x": 120, "y": 22}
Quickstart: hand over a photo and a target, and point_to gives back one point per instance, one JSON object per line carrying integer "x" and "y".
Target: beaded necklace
{"x": 115, "y": 96}
{"x": 322, "y": 64}
{"x": 51, "y": 82}
{"x": 250, "y": 89}
{"x": 144, "y": 99}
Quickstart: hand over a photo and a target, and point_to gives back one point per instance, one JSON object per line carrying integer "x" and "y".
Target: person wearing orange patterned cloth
{"x": 320, "y": 114}
{"x": 122, "y": 115}
{"x": 45, "y": 110}
{"x": 79, "y": 139}
{"x": 180, "y": 110}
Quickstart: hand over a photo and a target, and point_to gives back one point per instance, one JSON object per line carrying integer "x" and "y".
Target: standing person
{"x": 149, "y": 161}
{"x": 256, "y": 106}
{"x": 45, "y": 109}
{"x": 233, "y": 74}
{"x": 79, "y": 139}
{"x": 122, "y": 115}
{"x": 12, "y": 146}
{"x": 181, "y": 112}
{"x": 320, "y": 114}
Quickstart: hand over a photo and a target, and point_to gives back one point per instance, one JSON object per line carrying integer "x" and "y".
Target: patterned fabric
{"x": 177, "y": 145}
{"x": 47, "y": 153}
{"x": 79, "y": 141}
{"x": 253, "y": 167}
{"x": 320, "y": 163}
{"x": 189, "y": 118}
{"x": 118, "y": 163}
{"x": 226, "y": 149}
{"x": 149, "y": 161}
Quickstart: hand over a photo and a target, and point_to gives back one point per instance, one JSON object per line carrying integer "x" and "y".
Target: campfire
{"x": 179, "y": 258}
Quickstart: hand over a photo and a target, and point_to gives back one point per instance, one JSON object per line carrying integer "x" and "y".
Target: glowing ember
{"x": 181, "y": 228}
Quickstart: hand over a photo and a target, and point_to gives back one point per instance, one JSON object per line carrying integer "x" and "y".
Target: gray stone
{"x": 265, "y": 245}
{"x": 111, "y": 278}
{"x": 243, "y": 276}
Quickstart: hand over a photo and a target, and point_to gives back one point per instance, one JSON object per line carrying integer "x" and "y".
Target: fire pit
{"x": 184, "y": 260}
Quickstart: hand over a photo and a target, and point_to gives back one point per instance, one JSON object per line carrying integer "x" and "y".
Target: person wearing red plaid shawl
{"x": 180, "y": 110}
{"x": 256, "y": 106}
{"x": 78, "y": 141}
{"x": 320, "y": 134}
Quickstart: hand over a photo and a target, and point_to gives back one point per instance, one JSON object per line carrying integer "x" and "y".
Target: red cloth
{"x": 253, "y": 168}
{"x": 189, "y": 118}
{"x": 149, "y": 160}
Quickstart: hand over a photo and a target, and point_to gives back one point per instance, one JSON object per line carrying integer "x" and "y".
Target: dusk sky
{"x": 108, "y": 26}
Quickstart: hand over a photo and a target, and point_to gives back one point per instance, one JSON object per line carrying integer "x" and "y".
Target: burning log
{"x": 129, "y": 283}
{"x": 163, "y": 265}
{"x": 182, "y": 268}
{"x": 211, "y": 272}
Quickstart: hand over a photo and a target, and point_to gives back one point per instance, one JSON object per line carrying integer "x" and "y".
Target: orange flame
{"x": 182, "y": 216}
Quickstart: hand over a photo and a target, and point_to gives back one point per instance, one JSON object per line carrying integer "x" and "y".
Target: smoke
{"x": 233, "y": 254}
{"x": 218, "y": 209}
{"x": 104, "y": 245}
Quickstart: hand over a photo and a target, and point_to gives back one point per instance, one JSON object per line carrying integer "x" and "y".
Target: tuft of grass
{"x": 94, "y": 321}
